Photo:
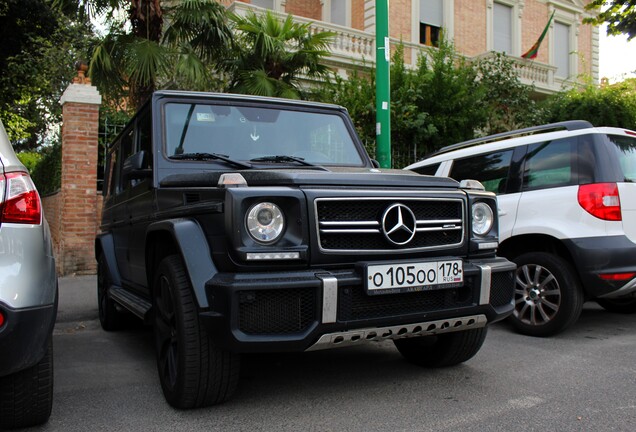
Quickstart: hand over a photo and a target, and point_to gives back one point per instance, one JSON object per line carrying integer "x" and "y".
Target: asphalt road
{"x": 581, "y": 380}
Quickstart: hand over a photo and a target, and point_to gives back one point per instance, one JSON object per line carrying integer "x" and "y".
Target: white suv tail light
{"x": 19, "y": 200}
{"x": 601, "y": 200}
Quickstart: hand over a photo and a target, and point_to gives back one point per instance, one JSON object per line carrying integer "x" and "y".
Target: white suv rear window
{"x": 626, "y": 151}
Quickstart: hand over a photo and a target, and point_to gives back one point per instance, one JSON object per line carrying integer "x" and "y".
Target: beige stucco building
{"x": 569, "y": 53}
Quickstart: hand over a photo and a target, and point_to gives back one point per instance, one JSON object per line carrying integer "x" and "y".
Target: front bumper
{"x": 604, "y": 255}
{"x": 314, "y": 309}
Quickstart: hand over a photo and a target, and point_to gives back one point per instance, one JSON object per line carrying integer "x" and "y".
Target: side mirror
{"x": 133, "y": 167}
{"x": 375, "y": 163}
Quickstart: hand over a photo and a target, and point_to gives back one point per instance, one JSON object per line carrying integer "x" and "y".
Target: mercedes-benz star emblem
{"x": 398, "y": 224}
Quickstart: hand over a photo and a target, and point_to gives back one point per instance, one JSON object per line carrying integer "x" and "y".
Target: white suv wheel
{"x": 548, "y": 294}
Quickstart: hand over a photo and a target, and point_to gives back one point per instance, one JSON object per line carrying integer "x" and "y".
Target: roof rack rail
{"x": 567, "y": 125}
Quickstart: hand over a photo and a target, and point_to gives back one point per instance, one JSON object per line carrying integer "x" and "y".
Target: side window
{"x": 144, "y": 138}
{"x": 427, "y": 169}
{"x": 585, "y": 163}
{"x": 626, "y": 151}
{"x": 112, "y": 170}
{"x": 115, "y": 162}
{"x": 126, "y": 149}
{"x": 490, "y": 169}
{"x": 551, "y": 164}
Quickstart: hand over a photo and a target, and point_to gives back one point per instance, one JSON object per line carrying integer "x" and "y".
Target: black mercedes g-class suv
{"x": 239, "y": 224}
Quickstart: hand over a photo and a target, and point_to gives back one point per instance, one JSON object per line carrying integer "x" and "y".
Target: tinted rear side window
{"x": 490, "y": 169}
{"x": 626, "y": 151}
{"x": 427, "y": 169}
{"x": 551, "y": 164}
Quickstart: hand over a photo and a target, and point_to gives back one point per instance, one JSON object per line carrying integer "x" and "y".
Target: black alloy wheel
{"x": 193, "y": 372}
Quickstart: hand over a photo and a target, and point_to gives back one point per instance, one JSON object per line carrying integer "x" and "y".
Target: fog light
{"x": 2, "y": 319}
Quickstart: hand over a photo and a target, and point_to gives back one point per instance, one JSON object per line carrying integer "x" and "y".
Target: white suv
{"x": 567, "y": 215}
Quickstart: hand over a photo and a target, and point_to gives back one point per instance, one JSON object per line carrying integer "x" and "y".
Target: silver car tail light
{"x": 19, "y": 200}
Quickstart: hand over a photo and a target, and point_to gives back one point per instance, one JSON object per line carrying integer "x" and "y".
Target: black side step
{"x": 134, "y": 303}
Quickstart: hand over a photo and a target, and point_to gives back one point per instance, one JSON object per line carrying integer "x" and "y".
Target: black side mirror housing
{"x": 134, "y": 167}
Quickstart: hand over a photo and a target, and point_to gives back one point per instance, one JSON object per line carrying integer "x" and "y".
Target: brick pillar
{"x": 80, "y": 123}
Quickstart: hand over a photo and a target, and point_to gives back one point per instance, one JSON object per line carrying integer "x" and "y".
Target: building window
{"x": 267, "y": 4}
{"x": 502, "y": 28}
{"x": 562, "y": 49}
{"x": 337, "y": 12}
{"x": 431, "y": 18}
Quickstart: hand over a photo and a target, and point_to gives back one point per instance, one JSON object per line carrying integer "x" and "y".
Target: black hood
{"x": 355, "y": 177}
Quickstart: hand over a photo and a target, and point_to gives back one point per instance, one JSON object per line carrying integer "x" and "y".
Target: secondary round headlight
{"x": 483, "y": 218}
{"x": 265, "y": 222}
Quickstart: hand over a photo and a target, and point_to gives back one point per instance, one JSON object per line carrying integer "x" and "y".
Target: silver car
{"x": 28, "y": 297}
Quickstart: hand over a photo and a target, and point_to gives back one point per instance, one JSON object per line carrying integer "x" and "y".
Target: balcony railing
{"x": 352, "y": 48}
{"x": 531, "y": 72}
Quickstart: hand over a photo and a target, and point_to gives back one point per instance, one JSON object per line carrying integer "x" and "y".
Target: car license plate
{"x": 413, "y": 276}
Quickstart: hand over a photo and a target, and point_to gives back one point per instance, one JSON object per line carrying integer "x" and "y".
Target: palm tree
{"x": 272, "y": 56}
{"x": 153, "y": 44}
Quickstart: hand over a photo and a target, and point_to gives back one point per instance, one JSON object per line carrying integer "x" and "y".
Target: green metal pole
{"x": 382, "y": 84}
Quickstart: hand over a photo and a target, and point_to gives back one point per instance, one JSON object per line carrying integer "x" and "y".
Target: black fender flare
{"x": 105, "y": 244}
{"x": 195, "y": 252}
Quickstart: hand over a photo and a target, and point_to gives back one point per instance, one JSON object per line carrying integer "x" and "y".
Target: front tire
{"x": 548, "y": 295}
{"x": 448, "y": 349}
{"x": 192, "y": 370}
{"x": 26, "y": 397}
{"x": 623, "y": 306}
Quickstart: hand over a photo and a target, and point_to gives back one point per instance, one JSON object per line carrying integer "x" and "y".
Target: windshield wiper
{"x": 211, "y": 156}
{"x": 286, "y": 158}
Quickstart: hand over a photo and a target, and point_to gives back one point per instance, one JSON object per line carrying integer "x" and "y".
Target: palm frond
{"x": 272, "y": 54}
{"x": 191, "y": 70}
{"x": 200, "y": 23}
{"x": 145, "y": 60}
{"x": 255, "y": 82}
{"x": 106, "y": 67}
{"x": 85, "y": 10}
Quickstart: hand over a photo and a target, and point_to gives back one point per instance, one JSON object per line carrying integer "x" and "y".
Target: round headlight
{"x": 265, "y": 222}
{"x": 483, "y": 218}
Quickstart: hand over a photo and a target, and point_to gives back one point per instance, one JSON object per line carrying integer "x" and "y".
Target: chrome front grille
{"x": 378, "y": 225}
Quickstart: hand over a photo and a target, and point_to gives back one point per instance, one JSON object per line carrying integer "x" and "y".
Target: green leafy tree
{"x": 411, "y": 125}
{"x": 39, "y": 47}
{"x": 47, "y": 174}
{"x": 152, "y": 44}
{"x": 30, "y": 159}
{"x": 620, "y": 16}
{"x": 507, "y": 102}
{"x": 448, "y": 89}
{"x": 438, "y": 103}
{"x": 602, "y": 106}
{"x": 273, "y": 56}
{"x": 357, "y": 94}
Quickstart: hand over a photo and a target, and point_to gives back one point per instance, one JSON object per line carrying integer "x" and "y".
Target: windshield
{"x": 626, "y": 151}
{"x": 248, "y": 133}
